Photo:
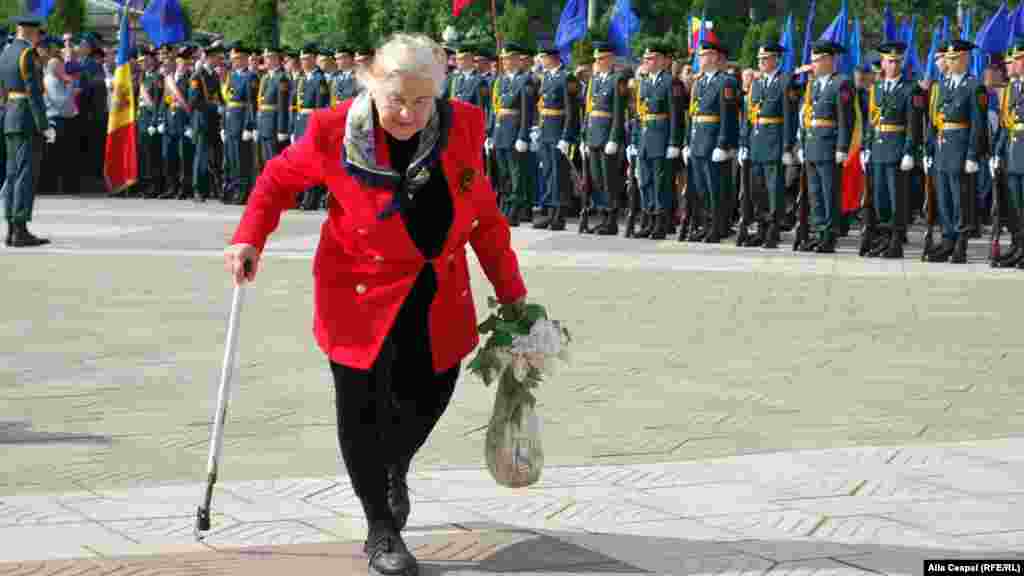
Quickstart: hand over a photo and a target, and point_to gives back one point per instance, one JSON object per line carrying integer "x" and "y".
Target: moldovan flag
{"x": 121, "y": 163}
{"x": 853, "y": 173}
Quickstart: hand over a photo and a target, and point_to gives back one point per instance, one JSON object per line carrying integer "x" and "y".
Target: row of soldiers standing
{"x": 736, "y": 146}
{"x": 206, "y": 130}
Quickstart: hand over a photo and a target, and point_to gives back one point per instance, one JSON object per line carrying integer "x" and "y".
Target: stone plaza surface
{"x": 728, "y": 410}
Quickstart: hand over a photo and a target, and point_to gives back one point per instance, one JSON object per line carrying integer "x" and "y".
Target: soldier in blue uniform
{"x": 1008, "y": 155}
{"x": 604, "y": 109}
{"x": 203, "y": 99}
{"x": 768, "y": 137}
{"x": 237, "y": 123}
{"x": 558, "y": 131}
{"x": 24, "y": 119}
{"x": 713, "y": 134}
{"x": 514, "y": 98}
{"x": 344, "y": 85}
{"x": 959, "y": 135}
{"x": 888, "y": 149}
{"x": 272, "y": 107}
{"x": 150, "y": 100}
{"x": 466, "y": 83}
{"x": 311, "y": 94}
{"x": 826, "y": 122}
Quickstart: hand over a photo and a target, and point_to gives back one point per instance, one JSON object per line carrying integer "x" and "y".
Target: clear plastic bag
{"x": 513, "y": 448}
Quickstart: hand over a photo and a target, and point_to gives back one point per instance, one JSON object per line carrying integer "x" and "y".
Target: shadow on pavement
{"x": 18, "y": 432}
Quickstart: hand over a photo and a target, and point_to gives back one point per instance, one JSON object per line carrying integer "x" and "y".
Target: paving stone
{"x": 964, "y": 516}
{"x": 769, "y": 525}
{"x": 871, "y": 530}
{"x": 711, "y": 499}
{"x": 33, "y": 510}
{"x": 822, "y": 566}
{"x": 51, "y": 541}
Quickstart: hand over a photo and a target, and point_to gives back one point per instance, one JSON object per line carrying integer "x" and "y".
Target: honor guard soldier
{"x": 344, "y": 85}
{"x": 559, "y": 127}
{"x": 466, "y": 83}
{"x": 960, "y": 128}
{"x": 604, "y": 134}
{"x": 514, "y": 98}
{"x": 1008, "y": 156}
{"x": 713, "y": 134}
{"x": 888, "y": 154}
{"x": 203, "y": 98}
{"x": 827, "y": 117}
{"x": 178, "y": 130}
{"x": 768, "y": 137}
{"x": 237, "y": 124}
{"x": 151, "y": 95}
{"x": 24, "y": 118}
{"x": 311, "y": 94}
{"x": 659, "y": 137}
{"x": 272, "y": 107}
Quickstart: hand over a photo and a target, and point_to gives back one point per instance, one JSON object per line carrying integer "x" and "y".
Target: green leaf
{"x": 512, "y": 327}
{"x": 488, "y": 325}
{"x": 534, "y": 312}
{"x": 499, "y": 339}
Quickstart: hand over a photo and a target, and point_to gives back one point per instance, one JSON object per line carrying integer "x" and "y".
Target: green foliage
{"x": 250, "y": 21}
{"x": 514, "y": 25}
{"x": 767, "y": 31}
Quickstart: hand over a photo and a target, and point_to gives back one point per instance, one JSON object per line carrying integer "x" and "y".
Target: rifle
{"x": 581, "y": 184}
{"x": 803, "y": 231}
{"x": 746, "y": 207}
{"x": 867, "y": 209}
{"x": 632, "y": 198}
{"x": 930, "y": 213}
{"x": 998, "y": 194}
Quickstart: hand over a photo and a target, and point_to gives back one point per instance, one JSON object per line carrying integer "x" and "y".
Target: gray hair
{"x": 406, "y": 54}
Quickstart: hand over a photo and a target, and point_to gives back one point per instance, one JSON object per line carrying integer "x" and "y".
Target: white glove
{"x": 246, "y": 136}
{"x": 787, "y": 158}
{"x": 292, "y": 138}
{"x": 282, "y": 137}
{"x": 927, "y": 162}
{"x": 993, "y": 165}
{"x": 630, "y": 151}
{"x": 719, "y": 155}
{"x": 534, "y": 134}
{"x": 522, "y": 146}
{"x": 686, "y": 155}
{"x": 160, "y": 128}
{"x": 672, "y": 152}
{"x": 865, "y": 157}
{"x": 970, "y": 166}
{"x": 188, "y": 133}
{"x": 109, "y": 82}
{"x": 907, "y": 164}
{"x": 489, "y": 144}
{"x": 223, "y": 136}
{"x": 51, "y": 135}
{"x": 611, "y": 148}
{"x": 743, "y": 155}
{"x": 151, "y": 130}
{"x": 841, "y": 157}
{"x": 800, "y": 155}
{"x": 563, "y": 147}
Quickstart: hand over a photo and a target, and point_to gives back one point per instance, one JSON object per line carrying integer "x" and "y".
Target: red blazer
{"x": 366, "y": 266}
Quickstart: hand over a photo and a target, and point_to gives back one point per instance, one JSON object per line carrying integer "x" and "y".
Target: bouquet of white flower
{"x": 524, "y": 348}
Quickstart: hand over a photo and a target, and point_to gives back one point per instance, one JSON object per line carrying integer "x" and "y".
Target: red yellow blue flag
{"x": 121, "y": 164}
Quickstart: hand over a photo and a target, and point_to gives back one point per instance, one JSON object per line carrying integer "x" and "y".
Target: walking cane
{"x": 227, "y": 372}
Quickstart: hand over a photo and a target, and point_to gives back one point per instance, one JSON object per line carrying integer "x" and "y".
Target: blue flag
{"x": 853, "y": 51}
{"x": 838, "y": 32}
{"x": 994, "y": 38}
{"x": 808, "y": 34}
{"x": 891, "y": 32}
{"x": 788, "y": 41}
{"x": 164, "y": 22}
{"x": 623, "y": 25}
{"x": 40, "y": 8}
{"x": 571, "y": 27}
{"x": 931, "y": 71}
{"x": 1017, "y": 23}
{"x": 700, "y": 38}
{"x": 910, "y": 63}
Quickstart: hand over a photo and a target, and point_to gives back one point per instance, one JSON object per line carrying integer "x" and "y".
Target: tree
{"x": 514, "y": 25}
{"x": 248, "y": 21}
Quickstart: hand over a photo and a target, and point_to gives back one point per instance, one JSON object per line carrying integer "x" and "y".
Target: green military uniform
{"x": 604, "y": 134}
{"x": 1009, "y": 155}
{"x": 24, "y": 119}
{"x": 151, "y": 94}
{"x": 659, "y": 142}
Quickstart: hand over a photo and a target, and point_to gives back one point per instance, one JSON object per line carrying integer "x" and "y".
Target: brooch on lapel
{"x": 466, "y": 178}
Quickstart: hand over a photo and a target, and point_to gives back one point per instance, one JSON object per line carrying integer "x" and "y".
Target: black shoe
{"x": 543, "y": 221}
{"x": 557, "y": 219}
{"x": 771, "y": 242}
{"x": 942, "y": 253}
{"x": 894, "y": 251}
{"x": 960, "y": 251}
{"x": 22, "y": 238}
{"x": 10, "y": 233}
{"x": 398, "y": 495}
{"x": 388, "y": 554}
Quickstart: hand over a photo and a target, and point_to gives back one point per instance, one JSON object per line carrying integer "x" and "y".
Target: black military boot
{"x": 1014, "y": 256}
{"x": 543, "y": 222}
{"x": 10, "y": 233}
{"x": 742, "y": 235}
{"x": 610, "y": 226}
{"x": 960, "y": 251}
{"x": 943, "y": 252}
{"x": 398, "y": 494}
{"x": 827, "y": 244}
{"x": 758, "y": 239}
{"x": 881, "y": 244}
{"x": 388, "y": 554}
{"x": 646, "y": 226}
{"x": 557, "y": 219}
{"x": 771, "y": 242}
{"x": 22, "y": 238}
{"x": 660, "y": 230}
{"x": 512, "y": 214}
{"x": 894, "y": 250}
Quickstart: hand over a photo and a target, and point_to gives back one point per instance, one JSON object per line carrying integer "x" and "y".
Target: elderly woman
{"x": 393, "y": 308}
